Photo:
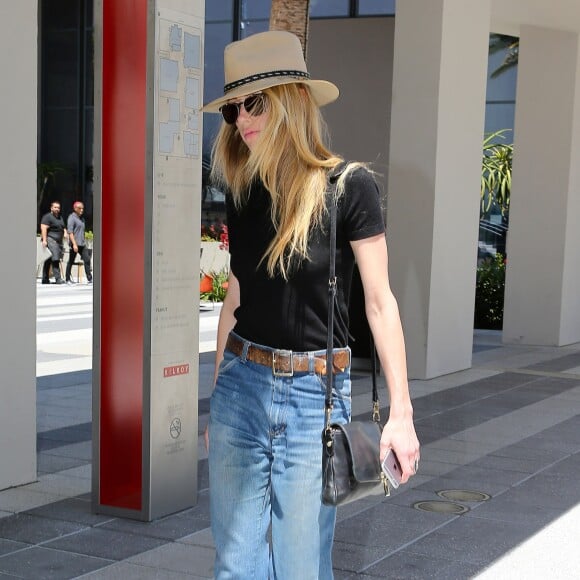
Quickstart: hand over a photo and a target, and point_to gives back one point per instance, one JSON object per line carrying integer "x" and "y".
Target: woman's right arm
{"x": 227, "y": 320}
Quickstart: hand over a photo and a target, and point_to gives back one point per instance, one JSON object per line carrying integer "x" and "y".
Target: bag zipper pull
{"x": 386, "y": 485}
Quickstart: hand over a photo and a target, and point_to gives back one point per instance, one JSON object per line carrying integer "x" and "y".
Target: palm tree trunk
{"x": 291, "y": 15}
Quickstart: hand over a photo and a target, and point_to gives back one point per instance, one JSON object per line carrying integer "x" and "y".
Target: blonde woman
{"x": 267, "y": 408}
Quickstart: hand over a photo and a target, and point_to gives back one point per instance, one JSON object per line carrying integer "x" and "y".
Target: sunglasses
{"x": 254, "y": 105}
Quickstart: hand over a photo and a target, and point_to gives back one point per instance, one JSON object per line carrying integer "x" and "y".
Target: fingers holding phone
{"x": 392, "y": 469}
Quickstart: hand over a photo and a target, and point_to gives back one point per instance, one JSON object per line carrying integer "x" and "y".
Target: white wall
{"x": 18, "y": 114}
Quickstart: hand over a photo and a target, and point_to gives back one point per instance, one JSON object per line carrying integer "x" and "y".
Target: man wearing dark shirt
{"x": 52, "y": 232}
{"x": 76, "y": 240}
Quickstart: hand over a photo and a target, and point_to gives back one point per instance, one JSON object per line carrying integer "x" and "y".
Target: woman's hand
{"x": 399, "y": 435}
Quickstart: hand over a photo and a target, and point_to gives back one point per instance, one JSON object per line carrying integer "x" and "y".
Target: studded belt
{"x": 284, "y": 363}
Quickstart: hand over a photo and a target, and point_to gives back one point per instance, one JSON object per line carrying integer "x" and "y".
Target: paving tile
{"x": 61, "y": 484}
{"x": 8, "y": 546}
{"x": 46, "y": 463}
{"x": 405, "y": 564}
{"x": 84, "y": 471}
{"x": 435, "y": 468}
{"x": 126, "y": 571}
{"x": 567, "y": 468}
{"x": 448, "y": 456}
{"x": 569, "y": 430}
{"x": 106, "y": 544}
{"x": 549, "y": 491}
{"x": 409, "y": 498}
{"x": 170, "y": 527}
{"x": 375, "y": 528}
{"x": 353, "y": 557}
{"x": 70, "y": 510}
{"x": 18, "y": 499}
{"x": 528, "y": 450}
{"x": 552, "y": 553}
{"x": 201, "y": 538}
{"x": 469, "y": 540}
{"x": 493, "y": 463}
{"x": 483, "y": 475}
{"x": 63, "y": 435}
{"x": 561, "y": 363}
{"x": 553, "y": 444}
{"x": 77, "y": 450}
{"x": 179, "y": 557}
{"x": 443, "y": 483}
{"x": 23, "y": 527}
{"x": 39, "y": 563}
{"x": 509, "y": 508}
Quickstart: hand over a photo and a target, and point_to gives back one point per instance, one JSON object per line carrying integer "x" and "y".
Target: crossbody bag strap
{"x": 332, "y": 289}
{"x": 331, "y": 298}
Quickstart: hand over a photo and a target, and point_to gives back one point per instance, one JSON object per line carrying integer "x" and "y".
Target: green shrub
{"x": 218, "y": 281}
{"x": 489, "y": 293}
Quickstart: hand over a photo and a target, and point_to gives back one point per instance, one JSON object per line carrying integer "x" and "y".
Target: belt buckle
{"x": 282, "y": 353}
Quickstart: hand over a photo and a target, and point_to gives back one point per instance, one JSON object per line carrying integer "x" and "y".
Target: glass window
{"x": 216, "y": 38}
{"x": 376, "y": 7}
{"x": 89, "y": 67}
{"x": 256, "y": 9}
{"x": 60, "y": 136}
{"x": 219, "y": 10}
{"x": 89, "y": 14}
{"x": 327, "y": 8}
{"x": 250, "y": 27}
{"x": 61, "y": 68}
{"x": 60, "y": 14}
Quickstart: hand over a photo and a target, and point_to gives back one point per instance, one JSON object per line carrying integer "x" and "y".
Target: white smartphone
{"x": 392, "y": 469}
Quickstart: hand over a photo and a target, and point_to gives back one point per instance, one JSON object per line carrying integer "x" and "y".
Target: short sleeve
{"x": 362, "y": 212}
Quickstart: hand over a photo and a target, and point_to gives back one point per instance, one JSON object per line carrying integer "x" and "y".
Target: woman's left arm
{"x": 385, "y": 323}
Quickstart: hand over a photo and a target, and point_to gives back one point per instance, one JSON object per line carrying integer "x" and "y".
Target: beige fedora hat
{"x": 265, "y": 60}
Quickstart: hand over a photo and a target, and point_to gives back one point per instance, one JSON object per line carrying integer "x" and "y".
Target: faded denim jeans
{"x": 265, "y": 465}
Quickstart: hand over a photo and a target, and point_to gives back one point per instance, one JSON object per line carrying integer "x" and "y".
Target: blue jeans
{"x": 265, "y": 458}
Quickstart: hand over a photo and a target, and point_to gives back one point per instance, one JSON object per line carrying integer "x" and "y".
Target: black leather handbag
{"x": 350, "y": 452}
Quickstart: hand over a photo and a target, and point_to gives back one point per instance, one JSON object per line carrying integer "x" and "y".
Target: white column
{"x": 437, "y": 122}
{"x": 542, "y": 302}
{"x": 18, "y": 63}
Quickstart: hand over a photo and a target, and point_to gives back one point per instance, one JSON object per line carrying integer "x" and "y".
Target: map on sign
{"x": 179, "y": 98}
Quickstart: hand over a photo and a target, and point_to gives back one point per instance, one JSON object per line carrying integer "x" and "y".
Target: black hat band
{"x": 266, "y": 75}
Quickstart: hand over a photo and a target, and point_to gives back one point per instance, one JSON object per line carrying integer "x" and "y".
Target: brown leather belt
{"x": 284, "y": 363}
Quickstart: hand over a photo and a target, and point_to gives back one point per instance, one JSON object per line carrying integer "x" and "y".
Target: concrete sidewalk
{"x": 497, "y": 493}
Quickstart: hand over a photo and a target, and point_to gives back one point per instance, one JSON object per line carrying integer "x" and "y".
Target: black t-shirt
{"x": 293, "y": 314}
{"x": 55, "y": 226}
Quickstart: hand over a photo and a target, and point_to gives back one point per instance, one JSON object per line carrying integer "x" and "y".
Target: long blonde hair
{"x": 292, "y": 162}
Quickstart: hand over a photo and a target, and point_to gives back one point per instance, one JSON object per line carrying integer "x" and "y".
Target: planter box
{"x": 212, "y": 258}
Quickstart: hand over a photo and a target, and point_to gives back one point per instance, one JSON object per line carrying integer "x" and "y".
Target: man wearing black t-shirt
{"x": 52, "y": 231}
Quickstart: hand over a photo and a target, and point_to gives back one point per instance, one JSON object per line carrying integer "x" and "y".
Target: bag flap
{"x": 363, "y": 439}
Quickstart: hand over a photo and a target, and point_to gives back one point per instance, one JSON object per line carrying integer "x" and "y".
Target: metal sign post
{"x": 148, "y": 127}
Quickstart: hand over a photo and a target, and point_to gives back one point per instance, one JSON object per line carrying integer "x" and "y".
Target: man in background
{"x": 76, "y": 240}
{"x": 52, "y": 232}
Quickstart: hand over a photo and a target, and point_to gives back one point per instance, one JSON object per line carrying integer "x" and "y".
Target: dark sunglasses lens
{"x": 229, "y": 113}
{"x": 254, "y": 104}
